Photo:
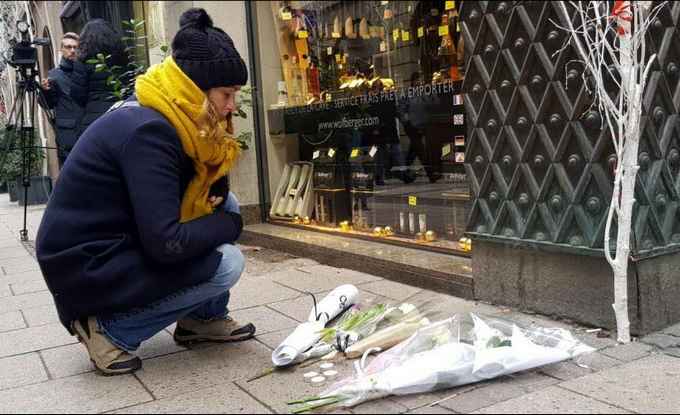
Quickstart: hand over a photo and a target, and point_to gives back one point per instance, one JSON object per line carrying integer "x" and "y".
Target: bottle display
{"x": 369, "y": 96}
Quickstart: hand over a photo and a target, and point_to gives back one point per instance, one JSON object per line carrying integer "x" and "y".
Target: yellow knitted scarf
{"x": 168, "y": 90}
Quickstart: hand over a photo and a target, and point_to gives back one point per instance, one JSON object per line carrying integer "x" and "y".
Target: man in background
{"x": 57, "y": 88}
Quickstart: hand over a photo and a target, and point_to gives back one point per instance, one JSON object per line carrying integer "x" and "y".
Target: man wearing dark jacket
{"x": 57, "y": 88}
{"x": 133, "y": 239}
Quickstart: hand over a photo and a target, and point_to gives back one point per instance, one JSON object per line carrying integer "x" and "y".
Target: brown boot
{"x": 107, "y": 358}
{"x": 226, "y": 330}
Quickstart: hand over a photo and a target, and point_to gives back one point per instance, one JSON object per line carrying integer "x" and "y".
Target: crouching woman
{"x": 137, "y": 235}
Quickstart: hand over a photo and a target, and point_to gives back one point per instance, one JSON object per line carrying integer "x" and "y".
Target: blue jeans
{"x": 207, "y": 301}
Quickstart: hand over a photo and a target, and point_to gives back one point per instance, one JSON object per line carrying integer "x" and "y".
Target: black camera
{"x": 24, "y": 53}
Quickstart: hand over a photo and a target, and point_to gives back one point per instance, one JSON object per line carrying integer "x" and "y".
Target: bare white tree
{"x": 610, "y": 40}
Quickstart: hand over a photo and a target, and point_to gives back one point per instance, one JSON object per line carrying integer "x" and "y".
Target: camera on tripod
{"x": 24, "y": 52}
{"x": 20, "y": 129}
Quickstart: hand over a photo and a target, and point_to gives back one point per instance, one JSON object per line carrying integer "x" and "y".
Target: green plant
{"x": 11, "y": 161}
{"x": 244, "y": 100}
{"x": 122, "y": 79}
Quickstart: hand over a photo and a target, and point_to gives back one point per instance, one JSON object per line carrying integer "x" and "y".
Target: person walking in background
{"x": 136, "y": 236}
{"x": 57, "y": 88}
{"x": 92, "y": 90}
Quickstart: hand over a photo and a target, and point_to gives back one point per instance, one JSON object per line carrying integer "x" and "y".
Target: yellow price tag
{"x": 355, "y": 153}
{"x": 395, "y": 34}
{"x": 330, "y": 50}
{"x": 450, "y": 5}
{"x": 338, "y": 57}
{"x": 331, "y": 152}
{"x": 412, "y": 201}
{"x": 335, "y": 35}
{"x": 446, "y": 150}
{"x": 383, "y": 46}
{"x": 421, "y": 31}
{"x": 286, "y": 16}
{"x": 303, "y": 34}
{"x": 405, "y": 35}
{"x": 344, "y": 58}
{"x": 443, "y": 30}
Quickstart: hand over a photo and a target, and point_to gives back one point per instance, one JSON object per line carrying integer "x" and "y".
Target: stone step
{"x": 449, "y": 274}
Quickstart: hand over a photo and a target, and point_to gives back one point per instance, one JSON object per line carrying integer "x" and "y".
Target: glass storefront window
{"x": 370, "y": 93}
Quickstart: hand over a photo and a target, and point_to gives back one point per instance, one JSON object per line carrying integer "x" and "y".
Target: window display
{"x": 371, "y": 90}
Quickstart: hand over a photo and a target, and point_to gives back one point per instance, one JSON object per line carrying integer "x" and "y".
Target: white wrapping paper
{"x": 334, "y": 303}
{"x": 434, "y": 358}
{"x": 303, "y": 342}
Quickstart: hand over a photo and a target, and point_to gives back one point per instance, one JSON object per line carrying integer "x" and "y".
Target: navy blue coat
{"x": 68, "y": 112}
{"x": 110, "y": 239}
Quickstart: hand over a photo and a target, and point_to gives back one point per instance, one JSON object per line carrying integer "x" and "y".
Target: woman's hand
{"x": 215, "y": 201}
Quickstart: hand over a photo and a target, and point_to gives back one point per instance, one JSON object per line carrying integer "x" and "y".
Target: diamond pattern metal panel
{"x": 540, "y": 162}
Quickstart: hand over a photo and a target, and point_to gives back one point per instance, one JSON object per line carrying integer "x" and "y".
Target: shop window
{"x": 371, "y": 92}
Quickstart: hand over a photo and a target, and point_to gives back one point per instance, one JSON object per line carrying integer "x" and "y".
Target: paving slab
{"x": 10, "y": 243}
{"x": 256, "y": 268}
{"x": 33, "y": 339}
{"x": 673, "y": 351}
{"x": 11, "y": 321}
{"x": 73, "y": 359}
{"x": 272, "y": 340}
{"x": 265, "y": 319}
{"x": 17, "y": 265}
{"x": 580, "y": 366}
{"x": 431, "y": 410}
{"x": 192, "y": 370}
{"x": 28, "y": 287}
{"x": 551, "y": 400}
{"x": 319, "y": 278}
{"x": 380, "y": 406}
{"x": 424, "y": 400}
{"x": 660, "y": 340}
{"x": 21, "y": 277}
{"x": 649, "y": 385}
{"x": 223, "y": 399}
{"x": 12, "y": 252}
{"x": 628, "y": 352}
{"x": 5, "y": 291}
{"x": 481, "y": 395}
{"x": 252, "y": 292}
{"x": 21, "y": 370}
{"x": 281, "y": 387}
{"x": 17, "y": 302}
{"x": 391, "y": 289}
{"x": 88, "y": 393}
{"x": 672, "y": 330}
{"x": 39, "y": 316}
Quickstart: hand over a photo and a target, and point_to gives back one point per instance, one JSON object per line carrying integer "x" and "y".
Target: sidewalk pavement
{"x": 44, "y": 369}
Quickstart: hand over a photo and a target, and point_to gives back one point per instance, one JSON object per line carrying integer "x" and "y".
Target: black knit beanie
{"x": 206, "y": 53}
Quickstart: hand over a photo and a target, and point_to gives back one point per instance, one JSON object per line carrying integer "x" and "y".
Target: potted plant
{"x": 10, "y": 165}
{"x": 11, "y": 172}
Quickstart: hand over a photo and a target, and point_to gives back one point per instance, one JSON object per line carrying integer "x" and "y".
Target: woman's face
{"x": 224, "y": 99}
